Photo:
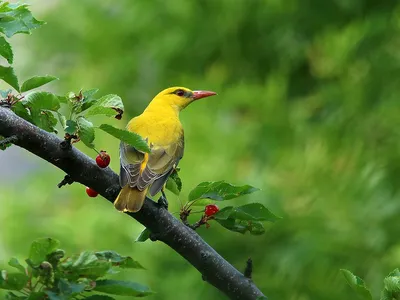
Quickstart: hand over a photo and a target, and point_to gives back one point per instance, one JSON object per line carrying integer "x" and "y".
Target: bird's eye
{"x": 180, "y": 93}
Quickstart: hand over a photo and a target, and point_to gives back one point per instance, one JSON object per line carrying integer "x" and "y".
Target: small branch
{"x": 249, "y": 268}
{"x": 10, "y": 139}
{"x": 214, "y": 268}
{"x": 67, "y": 180}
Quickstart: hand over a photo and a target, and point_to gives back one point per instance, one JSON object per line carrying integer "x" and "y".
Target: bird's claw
{"x": 162, "y": 201}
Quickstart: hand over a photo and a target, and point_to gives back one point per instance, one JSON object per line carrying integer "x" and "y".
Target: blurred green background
{"x": 308, "y": 110}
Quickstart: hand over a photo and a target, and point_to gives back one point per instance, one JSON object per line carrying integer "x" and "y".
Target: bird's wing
{"x": 140, "y": 169}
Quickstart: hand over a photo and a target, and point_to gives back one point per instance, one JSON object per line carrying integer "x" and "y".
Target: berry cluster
{"x": 102, "y": 160}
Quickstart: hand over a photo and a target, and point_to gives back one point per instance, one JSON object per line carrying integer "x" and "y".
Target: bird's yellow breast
{"x": 161, "y": 129}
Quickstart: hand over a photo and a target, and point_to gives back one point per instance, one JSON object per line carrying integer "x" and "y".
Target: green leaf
{"x": 4, "y": 93}
{"x": 357, "y": 284}
{"x": 392, "y": 284}
{"x": 143, "y": 236}
{"x": 86, "y": 264}
{"x": 56, "y": 296}
{"x": 45, "y": 120}
{"x": 247, "y": 212}
{"x": 70, "y": 127}
{"x": 109, "y": 105}
{"x": 36, "y": 296}
{"x": 122, "y": 288}
{"x": 38, "y": 101}
{"x": 12, "y": 281}
{"x": 40, "y": 248}
{"x": 174, "y": 183}
{"x": 20, "y": 110}
{"x": 99, "y": 297}
{"x": 85, "y": 131}
{"x": 6, "y": 50}
{"x": 36, "y": 81}
{"x": 13, "y": 262}
{"x": 88, "y": 99}
{"x": 254, "y": 227}
{"x": 7, "y": 74}
{"x": 125, "y": 262}
{"x": 219, "y": 190}
{"x": 12, "y": 296}
{"x": 127, "y": 137}
{"x": 15, "y": 18}
{"x": 70, "y": 288}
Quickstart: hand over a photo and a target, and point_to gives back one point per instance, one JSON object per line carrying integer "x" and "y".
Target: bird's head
{"x": 180, "y": 97}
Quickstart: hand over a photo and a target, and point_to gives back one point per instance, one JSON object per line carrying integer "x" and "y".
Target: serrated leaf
{"x": 86, "y": 264}
{"x": 13, "y": 262}
{"x": 13, "y": 281}
{"x": 219, "y": 190}
{"x": 6, "y": 50}
{"x": 241, "y": 226}
{"x": 36, "y": 82}
{"x": 357, "y": 284}
{"x": 42, "y": 101}
{"x": 247, "y": 212}
{"x": 99, "y": 297}
{"x": 16, "y": 18}
{"x": 109, "y": 105}
{"x": 40, "y": 248}
{"x": 174, "y": 183}
{"x": 8, "y": 75}
{"x": 85, "y": 131}
{"x": 122, "y": 288}
{"x": 127, "y": 137}
{"x": 70, "y": 127}
{"x": 125, "y": 262}
{"x": 143, "y": 236}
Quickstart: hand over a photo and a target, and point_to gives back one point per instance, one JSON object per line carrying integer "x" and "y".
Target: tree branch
{"x": 160, "y": 222}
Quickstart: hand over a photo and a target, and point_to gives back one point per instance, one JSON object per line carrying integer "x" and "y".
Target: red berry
{"x": 91, "y": 192}
{"x": 103, "y": 159}
{"x": 211, "y": 209}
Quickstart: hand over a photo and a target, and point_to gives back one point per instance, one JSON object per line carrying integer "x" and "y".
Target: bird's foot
{"x": 162, "y": 201}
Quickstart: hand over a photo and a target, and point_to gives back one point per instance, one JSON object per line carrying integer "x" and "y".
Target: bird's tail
{"x": 130, "y": 199}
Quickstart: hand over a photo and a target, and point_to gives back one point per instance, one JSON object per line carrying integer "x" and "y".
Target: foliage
{"x": 391, "y": 290}
{"x": 307, "y": 111}
{"x": 51, "y": 275}
{"x": 40, "y": 108}
{"x": 66, "y": 279}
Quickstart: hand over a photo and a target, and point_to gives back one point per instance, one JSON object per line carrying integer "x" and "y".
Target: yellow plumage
{"x": 159, "y": 124}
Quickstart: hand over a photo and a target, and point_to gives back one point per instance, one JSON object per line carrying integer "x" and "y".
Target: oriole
{"x": 159, "y": 124}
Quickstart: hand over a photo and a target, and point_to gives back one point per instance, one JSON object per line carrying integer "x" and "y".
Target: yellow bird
{"x": 159, "y": 124}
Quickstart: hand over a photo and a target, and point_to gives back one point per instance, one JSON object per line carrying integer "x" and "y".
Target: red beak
{"x": 202, "y": 94}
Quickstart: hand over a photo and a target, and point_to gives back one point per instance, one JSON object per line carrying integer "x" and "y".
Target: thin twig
{"x": 67, "y": 180}
{"x": 248, "y": 271}
{"x": 10, "y": 139}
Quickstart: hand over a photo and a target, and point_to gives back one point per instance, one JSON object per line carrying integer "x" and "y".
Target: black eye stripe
{"x": 182, "y": 93}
